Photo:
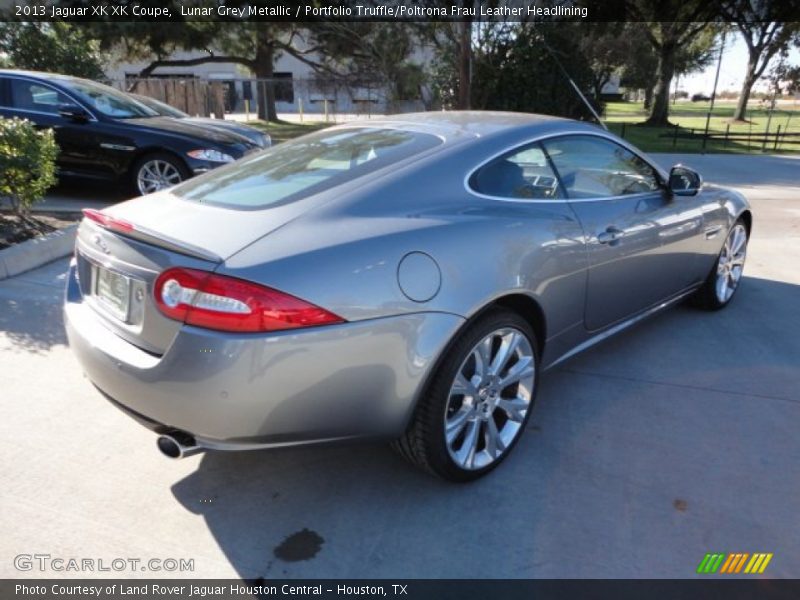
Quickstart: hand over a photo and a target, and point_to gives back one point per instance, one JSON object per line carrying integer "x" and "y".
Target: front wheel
{"x": 723, "y": 280}
{"x": 157, "y": 172}
{"x": 477, "y": 404}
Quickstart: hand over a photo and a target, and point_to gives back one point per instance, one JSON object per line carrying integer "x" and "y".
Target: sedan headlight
{"x": 211, "y": 155}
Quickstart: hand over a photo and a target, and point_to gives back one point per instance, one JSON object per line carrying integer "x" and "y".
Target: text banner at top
{"x": 336, "y": 10}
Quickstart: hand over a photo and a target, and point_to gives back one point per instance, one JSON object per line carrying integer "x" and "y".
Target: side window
{"x": 593, "y": 167}
{"x": 524, "y": 173}
{"x": 29, "y": 95}
{"x": 4, "y": 102}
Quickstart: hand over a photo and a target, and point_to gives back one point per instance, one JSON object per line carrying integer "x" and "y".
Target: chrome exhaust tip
{"x": 178, "y": 444}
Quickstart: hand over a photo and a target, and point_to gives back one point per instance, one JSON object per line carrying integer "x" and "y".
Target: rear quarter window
{"x": 305, "y": 166}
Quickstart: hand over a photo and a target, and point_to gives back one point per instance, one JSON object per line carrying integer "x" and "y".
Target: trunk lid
{"x": 117, "y": 269}
{"x": 218, "y": 230}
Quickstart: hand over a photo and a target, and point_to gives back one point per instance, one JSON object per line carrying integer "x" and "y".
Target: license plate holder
{"x": 113, "y": 292}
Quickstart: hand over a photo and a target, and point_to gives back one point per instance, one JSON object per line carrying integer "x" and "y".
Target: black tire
{"x": 706, "y": 296}
{"x": 424, "y": 444}
{"x": 161, "y": 158}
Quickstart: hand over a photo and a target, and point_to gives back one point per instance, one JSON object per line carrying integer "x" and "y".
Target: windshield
{"x": 165, "y": 110}
{"x": 108, "y": 101}
{"x": 305, "y": 166}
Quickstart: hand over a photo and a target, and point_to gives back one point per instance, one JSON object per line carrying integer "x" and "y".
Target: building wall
{"x": 306, "y": 91}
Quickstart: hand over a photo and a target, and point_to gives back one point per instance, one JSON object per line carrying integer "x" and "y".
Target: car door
{"x": 39, "y": 102}
{"x": 640, "y": 239}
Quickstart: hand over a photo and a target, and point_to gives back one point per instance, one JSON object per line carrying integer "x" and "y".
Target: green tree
{"x": 52, "y": 47}
{"x": 514, "y": 69}
{"x": 672, "y": 25}
{"x": 27, "y": 163}
{"x": 767, "y": 31}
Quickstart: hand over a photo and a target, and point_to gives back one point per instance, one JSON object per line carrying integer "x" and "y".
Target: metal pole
{"x": 574, "y": 85}
{"x": 714, "y": 93}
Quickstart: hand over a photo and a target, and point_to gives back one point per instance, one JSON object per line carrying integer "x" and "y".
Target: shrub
{"x": 27, "y": 162}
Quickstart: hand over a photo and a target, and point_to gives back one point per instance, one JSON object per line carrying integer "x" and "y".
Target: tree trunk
{"x": 740, "y": 113}
{"x": 464, "y": 65}
{"x": 659, "y": 112}
{"x": 648, "y": 97}
{"x": 264, "y": 69}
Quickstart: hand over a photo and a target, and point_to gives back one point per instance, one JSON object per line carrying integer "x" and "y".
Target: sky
{"x": 731, "y": 75}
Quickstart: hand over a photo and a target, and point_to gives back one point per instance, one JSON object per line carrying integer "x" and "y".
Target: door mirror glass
{"x": 684, "y": 181}
{"x": 73, "y": 112}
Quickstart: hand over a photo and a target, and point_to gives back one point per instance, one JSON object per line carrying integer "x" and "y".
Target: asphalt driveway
{"x": 672, "y": 440}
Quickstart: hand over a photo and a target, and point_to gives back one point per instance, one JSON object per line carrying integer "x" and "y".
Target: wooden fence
{"x": 195, "y": 97}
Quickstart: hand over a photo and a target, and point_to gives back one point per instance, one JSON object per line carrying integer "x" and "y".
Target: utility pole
{"x": 714, "y": 93}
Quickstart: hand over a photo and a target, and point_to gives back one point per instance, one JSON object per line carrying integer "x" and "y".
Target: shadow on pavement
{"x": 602, "y": 463}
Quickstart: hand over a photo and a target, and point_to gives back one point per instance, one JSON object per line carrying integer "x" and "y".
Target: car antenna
{"x": 573, "y": 84}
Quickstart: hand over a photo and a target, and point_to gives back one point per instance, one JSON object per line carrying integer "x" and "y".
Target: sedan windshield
{"x": 163, "y": 109}
{"x": 305, "y": 166}
{"x": 108, "y": 101}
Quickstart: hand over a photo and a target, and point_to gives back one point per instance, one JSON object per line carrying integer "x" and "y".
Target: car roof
{"x": 453, "y": 125}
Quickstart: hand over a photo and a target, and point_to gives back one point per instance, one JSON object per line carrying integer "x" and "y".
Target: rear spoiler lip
{"x": 149, "y": 236}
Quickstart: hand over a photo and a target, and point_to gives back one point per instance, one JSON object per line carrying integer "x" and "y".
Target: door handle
{"x": 610, "y": 235}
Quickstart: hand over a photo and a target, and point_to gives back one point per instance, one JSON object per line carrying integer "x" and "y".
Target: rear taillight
{"x": 108, "y": 221}
{"x": 225, "y": 303}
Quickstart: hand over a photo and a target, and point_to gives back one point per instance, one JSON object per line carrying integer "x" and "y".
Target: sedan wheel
{"x": 478, "y": 401}
{"x": 155, "y": 174}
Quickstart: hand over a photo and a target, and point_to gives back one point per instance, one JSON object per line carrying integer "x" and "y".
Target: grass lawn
{"x": 622, "y": 118}
{"x": 284, "y": 130}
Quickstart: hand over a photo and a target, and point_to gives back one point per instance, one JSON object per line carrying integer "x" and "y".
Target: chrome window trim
{"x": 549, "y": 136}
{"x": 92, "y": 116}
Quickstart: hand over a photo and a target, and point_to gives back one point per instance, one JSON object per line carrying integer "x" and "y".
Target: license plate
{"x": 114, "y": 292}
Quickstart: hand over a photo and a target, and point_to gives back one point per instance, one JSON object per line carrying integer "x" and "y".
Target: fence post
{"x": 777, "y": 136}
{"x": 764, "y": 142}
{"x": 300, "y": 108}
{"x": 622, "y": 134}
{"x": 325, "y": 102}
{"x": 675, "y": 135}
{"x": 727, "y": 131}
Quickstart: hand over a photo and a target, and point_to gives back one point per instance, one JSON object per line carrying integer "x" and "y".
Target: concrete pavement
{"x": 674, "y": 439}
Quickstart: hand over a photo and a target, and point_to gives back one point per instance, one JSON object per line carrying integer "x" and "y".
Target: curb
{"x": 36, "y": 252}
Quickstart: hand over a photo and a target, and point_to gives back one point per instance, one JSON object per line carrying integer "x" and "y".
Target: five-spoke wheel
{"x": 477, "y": 404}
{"x": 723, "y": 280}
{"x": 489, "y": 398}
{"x": 731, "y": 263}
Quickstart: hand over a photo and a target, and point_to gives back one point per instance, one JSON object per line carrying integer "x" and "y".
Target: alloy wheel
{"x": 490, "y": 398}
{"x": 155, "y": 175}
{"x": 731, "y": 263}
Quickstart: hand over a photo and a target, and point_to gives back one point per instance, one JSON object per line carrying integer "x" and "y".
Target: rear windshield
{"x": 305, "y": 166}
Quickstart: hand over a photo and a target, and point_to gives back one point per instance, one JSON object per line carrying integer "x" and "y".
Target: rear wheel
{"x": 476, "y": 407}
{"x": 156, "y": 172}
{"x": 723, "y": 280}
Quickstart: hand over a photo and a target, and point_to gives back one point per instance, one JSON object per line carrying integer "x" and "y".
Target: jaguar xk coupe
{"x": 406, "y": 279}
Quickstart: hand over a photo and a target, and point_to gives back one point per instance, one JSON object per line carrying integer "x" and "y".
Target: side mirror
{"x": 73, "y": 112}
{"x": 684, "y": 181}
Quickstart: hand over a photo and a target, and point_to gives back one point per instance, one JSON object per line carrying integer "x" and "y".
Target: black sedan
{"x": 105, "y": 134}
{"x": 166, "y": 110}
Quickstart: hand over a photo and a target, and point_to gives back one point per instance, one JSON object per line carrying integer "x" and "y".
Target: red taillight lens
{"x": 107, "y": 220}
{"x": 224, "y": 303}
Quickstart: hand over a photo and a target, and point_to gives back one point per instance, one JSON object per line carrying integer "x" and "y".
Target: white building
{"x": 296, "y": 85}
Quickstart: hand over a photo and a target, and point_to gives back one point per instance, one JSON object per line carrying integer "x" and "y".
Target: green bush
{"x": 27, "y": 162}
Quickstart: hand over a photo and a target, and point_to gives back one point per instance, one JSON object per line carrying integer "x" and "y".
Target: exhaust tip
{"x": 177, "y": 445}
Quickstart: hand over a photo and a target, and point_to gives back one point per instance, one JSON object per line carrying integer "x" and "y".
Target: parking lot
{"x": 677, "y": 438}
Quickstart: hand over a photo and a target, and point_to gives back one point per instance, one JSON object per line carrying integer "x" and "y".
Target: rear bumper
{"x": 240, "y": 391}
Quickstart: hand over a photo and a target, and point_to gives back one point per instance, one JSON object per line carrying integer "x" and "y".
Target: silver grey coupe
{"x": 407, "y": 279}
